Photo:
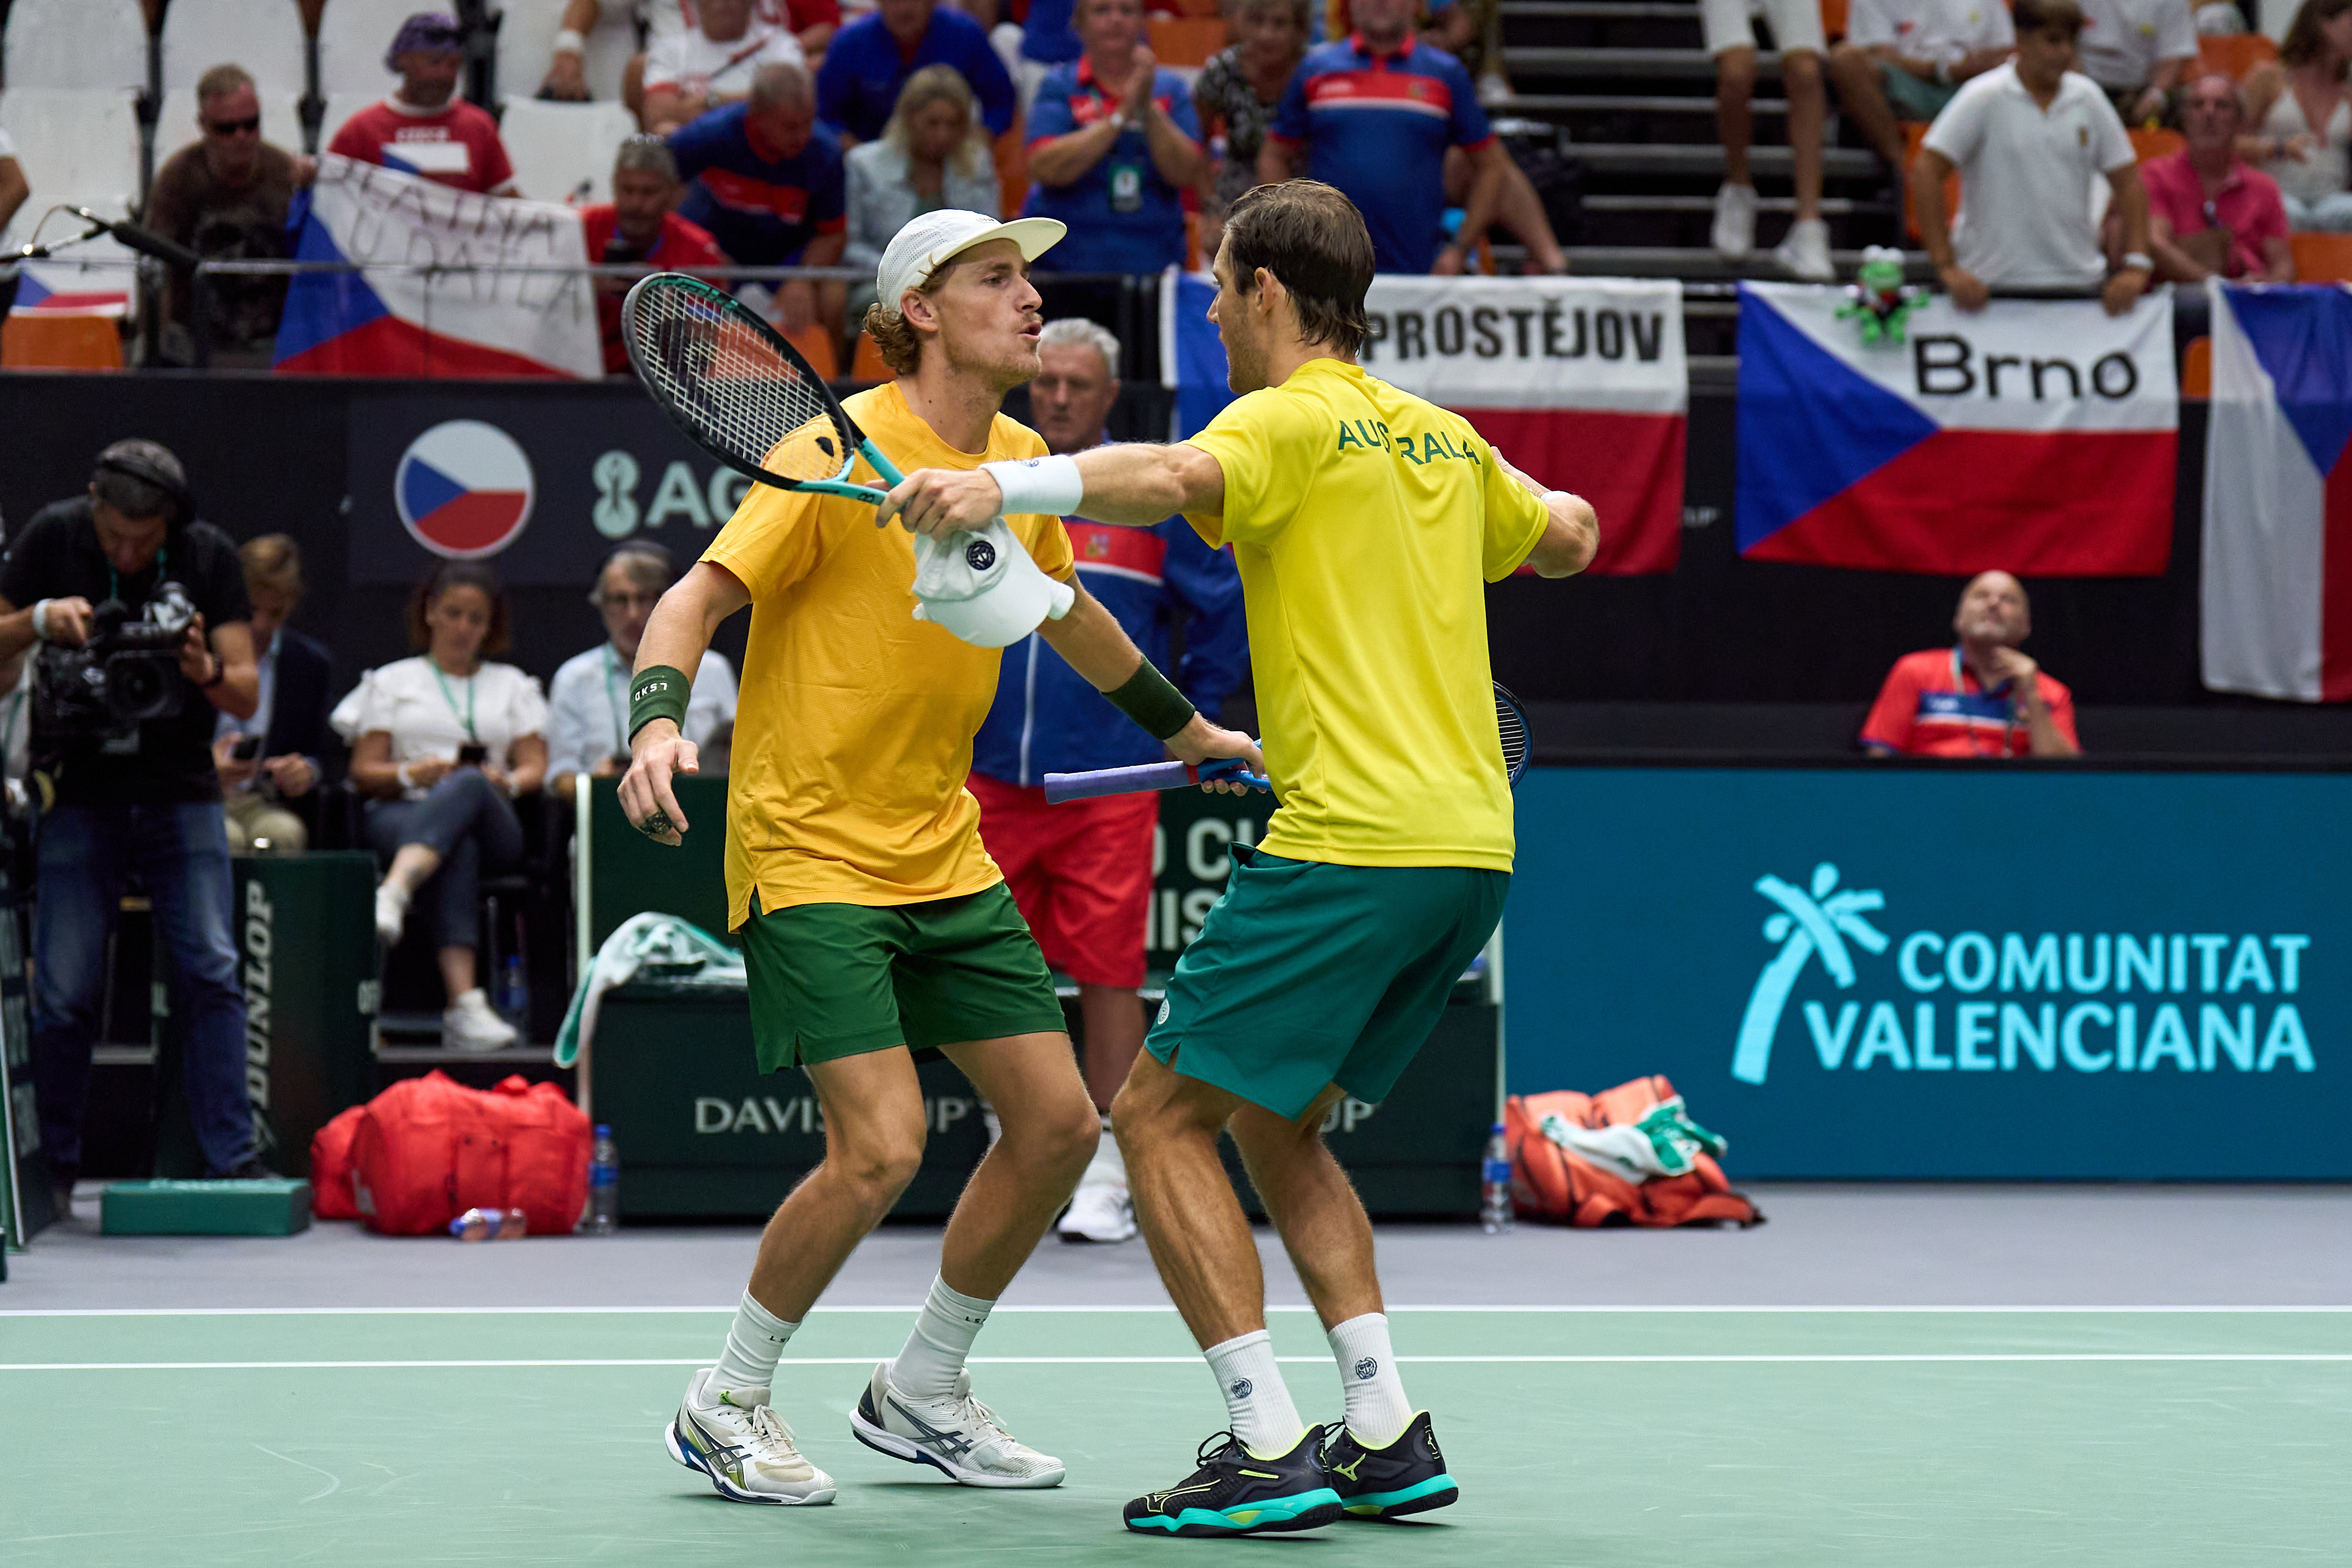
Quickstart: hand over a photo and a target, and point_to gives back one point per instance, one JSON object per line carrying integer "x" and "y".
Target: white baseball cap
{"x": 932, "y": 240}
{"x": 983, "y": 587}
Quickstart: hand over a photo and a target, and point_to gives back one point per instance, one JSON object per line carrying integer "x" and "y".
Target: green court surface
{"x": 1628, "y": 1438}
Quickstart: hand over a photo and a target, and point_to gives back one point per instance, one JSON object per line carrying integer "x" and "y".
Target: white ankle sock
{"x": 1256, "y": 1403}
{"x": 755, "y": 1341}
{"x": 951, "y": 1321}
{"x": 1378, "y": 1412}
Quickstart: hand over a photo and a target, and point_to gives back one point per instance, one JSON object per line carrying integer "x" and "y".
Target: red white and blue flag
{"x": 510, "y": 309}
{"x": 2038, "y": 437}
{"x": 1583, "y": 383}
{"x": 2278, "y": 493}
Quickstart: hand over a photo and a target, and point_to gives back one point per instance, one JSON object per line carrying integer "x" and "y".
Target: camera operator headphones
{"x": 132, "y": 466}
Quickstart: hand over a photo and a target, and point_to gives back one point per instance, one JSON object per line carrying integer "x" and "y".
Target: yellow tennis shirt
{"x": 853, "y": 736}
{"x": 1365, "y": 522}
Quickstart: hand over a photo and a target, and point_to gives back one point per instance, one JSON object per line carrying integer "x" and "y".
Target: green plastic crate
{"x": 205, "y": 1208}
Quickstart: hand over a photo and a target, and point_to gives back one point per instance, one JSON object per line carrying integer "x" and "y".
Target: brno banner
{"x": 1867, "y": 972}
{"x": 1583, "y": 383}
{"x": 516, "y": 312}
{"x": 2039, "y": 436}
{"x": 2278, "y": 494}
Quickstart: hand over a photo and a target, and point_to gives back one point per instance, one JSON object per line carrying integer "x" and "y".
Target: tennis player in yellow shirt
{"x": 1366, "y": 523}
{"x": 872, "y": 920}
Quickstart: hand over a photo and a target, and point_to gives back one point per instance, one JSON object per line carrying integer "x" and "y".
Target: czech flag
{"x": 2038, "y": 437}
{"x": 2278, "y": 493}
{"x": 511, "y": 313}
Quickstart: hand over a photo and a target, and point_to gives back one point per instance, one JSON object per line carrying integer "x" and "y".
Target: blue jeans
{"x": 472, "y": 827}
{"x": 181, "y": 852}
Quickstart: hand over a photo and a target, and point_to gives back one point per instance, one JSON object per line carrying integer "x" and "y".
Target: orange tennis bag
{"x": 1550, "y": 1181}
{"x": 427, "y": 1148}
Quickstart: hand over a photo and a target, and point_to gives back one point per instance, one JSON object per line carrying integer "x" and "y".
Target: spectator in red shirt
{"x": 1980, "y": 697}
{"x": 424, "y": 127}
{"x": 637, "y": 226}
{"x": 2209, "y": 213}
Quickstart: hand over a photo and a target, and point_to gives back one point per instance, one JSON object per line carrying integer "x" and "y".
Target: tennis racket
{"x": 741, "y": 392}
{"x": 1508, "y": 721}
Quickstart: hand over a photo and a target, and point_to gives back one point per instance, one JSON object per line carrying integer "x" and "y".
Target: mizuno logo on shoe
{"x": 1158, "y": 1501}
{"x": 1349, "y": 1470}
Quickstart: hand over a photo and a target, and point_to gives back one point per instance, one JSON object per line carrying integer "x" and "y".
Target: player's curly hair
{"x": 1314, "y": 241}
{"x": 901, "y": 346}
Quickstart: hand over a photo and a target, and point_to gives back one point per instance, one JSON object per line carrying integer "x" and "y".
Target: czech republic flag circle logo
{"x": 462, "y": 488}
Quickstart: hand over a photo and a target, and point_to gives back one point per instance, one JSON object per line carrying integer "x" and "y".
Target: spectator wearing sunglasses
{"x": 2209, "y": 213}
{"x": 225, "y": 199}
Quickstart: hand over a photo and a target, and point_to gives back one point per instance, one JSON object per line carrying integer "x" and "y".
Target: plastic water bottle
{"x": 1494, "y": 1184}
{"x": 514, "y": 989}
{"x": 604, "y": 1215}
{"x": 488, "y": 1224}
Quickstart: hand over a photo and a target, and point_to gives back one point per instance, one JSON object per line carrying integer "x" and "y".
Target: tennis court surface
{"x": 1903, "y": 1376}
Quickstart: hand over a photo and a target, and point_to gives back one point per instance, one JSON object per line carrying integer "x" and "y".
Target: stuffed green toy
{"x": 1882, "y": 301}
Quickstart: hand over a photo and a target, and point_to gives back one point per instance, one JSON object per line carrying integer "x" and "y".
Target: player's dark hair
{"x": 460, "y": 574}
{"x": 1314, "y": 241}
{"x": 2047, "y": 16}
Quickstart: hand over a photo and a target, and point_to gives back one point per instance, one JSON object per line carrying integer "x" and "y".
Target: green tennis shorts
{"x": 1308, "y": 973}
{"x": 829, "y": 980}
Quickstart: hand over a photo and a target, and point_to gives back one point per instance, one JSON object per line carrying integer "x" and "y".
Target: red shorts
{"x": 1081, "y": 873}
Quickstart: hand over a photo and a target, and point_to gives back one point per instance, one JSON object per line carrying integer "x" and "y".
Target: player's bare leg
{"x": 1199, "y": 1240}
{"x": 918, "y": 1407}
{"x": 1103, "y": 1210}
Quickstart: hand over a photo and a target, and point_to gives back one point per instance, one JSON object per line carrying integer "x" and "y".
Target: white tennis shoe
{"x": 735, "y": 1437}
{"x": 957, "y": 1436}
{"x": 1102, "y": 1209}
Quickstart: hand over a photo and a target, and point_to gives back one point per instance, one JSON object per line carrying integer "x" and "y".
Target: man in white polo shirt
{"x": 2138, "y": 50}
{"x": 2029, "y": 138}
{"x": 699, "y": 69}
{"x": 1731, "y": 39}
{"x": 1905, "y": 60}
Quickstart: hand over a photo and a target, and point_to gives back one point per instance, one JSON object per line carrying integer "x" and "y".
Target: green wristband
{"x": 658, "y": 692}
{"x": 1150, "y": 699}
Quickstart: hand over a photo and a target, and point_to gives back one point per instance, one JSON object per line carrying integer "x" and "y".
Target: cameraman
{"x": 142, "y": 797}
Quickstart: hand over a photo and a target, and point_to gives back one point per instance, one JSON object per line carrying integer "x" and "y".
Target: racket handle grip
{"x": 1062, "y": 788}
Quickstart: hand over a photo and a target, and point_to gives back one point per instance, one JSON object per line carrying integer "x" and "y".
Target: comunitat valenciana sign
{"x": 1974, "y": 1001}
{"x": 1887, "y": 972}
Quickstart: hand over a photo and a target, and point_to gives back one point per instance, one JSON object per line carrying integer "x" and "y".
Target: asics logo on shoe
{"x": 950, "y": 1443}
{"x": 1365, "y": 1369}
{"x": 1242, "y": 1386}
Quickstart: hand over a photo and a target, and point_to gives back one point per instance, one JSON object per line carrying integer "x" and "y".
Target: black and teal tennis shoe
{"x": 1237, "y": 1492}
{"x": 1407, "y": 1476}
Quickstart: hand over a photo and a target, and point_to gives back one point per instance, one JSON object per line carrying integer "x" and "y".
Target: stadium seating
{"x": 563, "y": 151}
{"x": 78, "y": 145}
{"x": 59, "y": 43}
{"x": 281, "y": 122}
{"x": 865, "y": 361}
{"x": 38, "y": 340}
{"x": 2322, "y": 257}
{"x": 2235, "y": 52}
{"x": 1186, "y": 42}
{"x": 526, "y": 45}
{"x": 264, "y": 36}
{"x": 353, "y": 37}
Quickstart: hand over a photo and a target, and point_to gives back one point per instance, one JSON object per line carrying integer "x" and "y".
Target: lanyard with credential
{"x": 451, "y": 698}
{"x": 615, "y": 702}
{"x": 114, "y": 578}
{"x": 2009, "y": 728}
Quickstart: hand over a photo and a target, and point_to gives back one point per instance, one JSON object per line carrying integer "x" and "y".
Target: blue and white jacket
{"x": 1049, "y": 719}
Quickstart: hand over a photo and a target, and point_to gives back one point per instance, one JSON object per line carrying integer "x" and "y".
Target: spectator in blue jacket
{"x": 871, "y": 58}
{"x": 766, "y": 181}
{"x": 1082, "y": 872}
{"x": 1113, "y": 144}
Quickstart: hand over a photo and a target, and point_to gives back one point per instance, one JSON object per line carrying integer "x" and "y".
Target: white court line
{"x": 1185, "y": 1361}
{"x": 917, "y": 1307}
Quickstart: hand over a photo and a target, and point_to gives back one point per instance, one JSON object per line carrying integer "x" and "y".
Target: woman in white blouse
{"x": 441, "y": 744}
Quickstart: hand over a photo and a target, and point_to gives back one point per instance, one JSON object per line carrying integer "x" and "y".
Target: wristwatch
{"x": 219, "y": 674}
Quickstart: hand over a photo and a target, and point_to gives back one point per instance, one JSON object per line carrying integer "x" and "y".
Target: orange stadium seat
{"x": 1011, "y": 152}
{"x": 816, "y": 343}
{"x": 1186, "y": 40}
{"x": 2197, "y": 369}
{"x": 2235, "y": 52}
{"x": 2322, "y": 257}
{"x": 1914, "y": 133}
{"x": 2146, "y": 144}
{"x": 866, "y": 363}
{"x": 1834, "y": 19}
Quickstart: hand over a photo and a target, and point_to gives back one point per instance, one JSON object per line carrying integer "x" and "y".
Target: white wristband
{"x": 570, "y": 41}
{"x": 41, "y": 620}
{"x": 1048, "y": 485}
{"x": 407, "y": 781}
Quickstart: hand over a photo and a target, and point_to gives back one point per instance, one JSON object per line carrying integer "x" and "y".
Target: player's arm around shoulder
{"x": 1131, "y": 483}
{"x": 677, "y": 636}
{"x": 1571, "y": 534}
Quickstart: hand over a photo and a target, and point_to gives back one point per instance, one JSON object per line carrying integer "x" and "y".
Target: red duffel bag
{"x": 429, "y": 1148}
{"x": 330, "y": 1166}
{"x": 1549, "y": 1182}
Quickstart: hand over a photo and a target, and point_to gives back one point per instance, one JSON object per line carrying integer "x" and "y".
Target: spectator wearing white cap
{"x": 872, "y": 920}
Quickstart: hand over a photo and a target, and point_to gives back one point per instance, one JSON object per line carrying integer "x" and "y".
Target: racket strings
{"x": 725, "y": 375}
{"x": 1513, "y": 727}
